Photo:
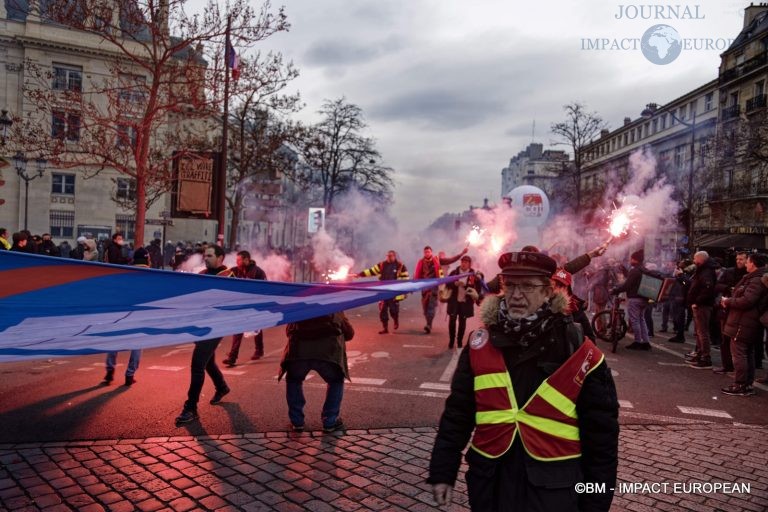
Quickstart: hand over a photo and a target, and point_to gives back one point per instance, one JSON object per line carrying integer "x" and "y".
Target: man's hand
{"x": 472, "y": 294}
{"x": 598, "y": 251}
{"x": 442, "y": 494}
{"x": 465, "y": 250}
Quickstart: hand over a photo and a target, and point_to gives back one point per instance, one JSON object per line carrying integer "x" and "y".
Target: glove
{"x": 442, "y": 494}
{"x": 472, "y": 294}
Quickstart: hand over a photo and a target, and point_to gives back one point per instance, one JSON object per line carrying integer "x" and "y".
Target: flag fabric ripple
{"x": 59, "y": 307}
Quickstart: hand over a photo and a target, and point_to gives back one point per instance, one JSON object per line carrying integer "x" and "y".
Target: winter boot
{"x": 109, "y": 377}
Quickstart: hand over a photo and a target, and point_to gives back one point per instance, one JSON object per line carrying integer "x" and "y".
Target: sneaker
{"x": 219, "y": 395}
{"x": 721, "y": 370}
{"x": 186, "y": 416}
{"x": 397, "y": 324}
{"x": 738, "y": 390}
{"x": 109, "y": 377}
{"x": 638, "y": 346}
{"x": 676, "y": 339}
{"x": 690, "y": 356}
{"x": 230, "y": 361}
{"x": 701, "y": 364}
{"x": 339, "y": 425}
{"x": 427, "y": 329}
{"x": 130, "y": 380}
{"x": 256, "y": 356}
{"x": 663, "y": 329}
{"x": 384, "y": 331}
{"x": 297, "y": 428}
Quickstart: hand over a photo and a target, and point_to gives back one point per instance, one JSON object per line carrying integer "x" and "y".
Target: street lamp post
{"x": 648, "y": 113}
{"x": 20, "y": 163}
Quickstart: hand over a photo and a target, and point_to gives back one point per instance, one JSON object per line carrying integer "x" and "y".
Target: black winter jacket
{"x": 702, "y": 289}
{"x": 515, "y": 474}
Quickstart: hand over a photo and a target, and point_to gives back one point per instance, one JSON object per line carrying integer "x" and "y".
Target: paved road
{"x": 676, "y": 427}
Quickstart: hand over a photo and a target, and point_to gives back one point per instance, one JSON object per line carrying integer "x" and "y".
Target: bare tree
{"x": 160, "y": 91}
{"x": 338, "y": 157}
{"x": 577, "y": 131}
{"x": 261, "y": 134}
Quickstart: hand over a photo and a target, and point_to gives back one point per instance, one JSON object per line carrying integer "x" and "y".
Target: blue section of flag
{"x": 144, "y": 308}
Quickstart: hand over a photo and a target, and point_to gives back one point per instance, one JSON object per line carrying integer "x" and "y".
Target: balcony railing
{"x": 756, "y": 103}
{"x": 737, "y": 192}
{"x": 731, "y": 112}
{"x": 744, "y": 68}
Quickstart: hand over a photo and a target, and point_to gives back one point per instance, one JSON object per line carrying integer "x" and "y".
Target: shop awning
{"x": 739, "y": 241}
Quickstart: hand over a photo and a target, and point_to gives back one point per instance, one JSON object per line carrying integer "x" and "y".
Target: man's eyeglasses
{"x": 523, "y": 287}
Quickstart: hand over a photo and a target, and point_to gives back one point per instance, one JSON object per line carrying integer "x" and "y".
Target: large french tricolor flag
{"x": 58, "y": 307}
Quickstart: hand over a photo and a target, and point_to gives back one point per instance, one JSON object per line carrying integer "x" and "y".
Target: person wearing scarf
{"x": 517, "y": 460}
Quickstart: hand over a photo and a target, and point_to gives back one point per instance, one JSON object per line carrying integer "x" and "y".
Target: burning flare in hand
{"x": 475, "y": 237}
{"x": 338, "y": 275}
{"x": 621, "y": 221}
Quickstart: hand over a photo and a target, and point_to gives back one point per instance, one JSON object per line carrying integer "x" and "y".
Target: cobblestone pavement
{"x": 357, "y": 470}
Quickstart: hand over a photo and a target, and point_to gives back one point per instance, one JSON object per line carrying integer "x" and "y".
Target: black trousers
{"x": 203, "y": 360}
{"x": 452, "y": 334}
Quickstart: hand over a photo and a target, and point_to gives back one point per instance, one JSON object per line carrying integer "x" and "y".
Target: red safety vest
{"x": 547, "y": 424}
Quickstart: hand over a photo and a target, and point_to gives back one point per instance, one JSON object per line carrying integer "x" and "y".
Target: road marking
{"x": 626, "y": 404}
{"x": 166, "y": 368}
{"x": 612, "y": 359}
{"x": 418, "y": 346}
{"x": 671, "y": 364}
{"x": 704, "y": 412}
{"x": 435, "y": 385}
{"x": 41, "y": 367}
{"x": 105, "y": 364}
{"x": 655, "y": 418}
{"x": 232, "y": 372}
{"x": 379, "y": 355}
{"x": 59, "y": 362}
{"x": 614, "y": 372}
{"x": 87, "y": 369}
{"x": 390, "y": 391}
{"x": 451, "y": 368}
{"x": 369, "y": 382}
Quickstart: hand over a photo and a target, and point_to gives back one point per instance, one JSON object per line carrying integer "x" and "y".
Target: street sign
{"x": 158, "y": 222}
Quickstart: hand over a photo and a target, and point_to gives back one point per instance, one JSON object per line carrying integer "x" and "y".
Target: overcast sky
{"x": 451, "y": 89}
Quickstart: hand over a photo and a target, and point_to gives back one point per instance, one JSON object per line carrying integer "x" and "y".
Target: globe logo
{"x": 661, "y": 44}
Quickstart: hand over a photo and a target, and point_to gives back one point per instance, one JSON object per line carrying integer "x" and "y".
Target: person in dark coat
{"x": 317, "y": 344}
{"x": 47, "y": 246}
{"x": 155, "y": 253}
{"x": 743, "y": 325}
{"x": 203, "y": 355}
{"x": 701, "y": 298}
{"x": 114, "y": 253}
{"x": 465, "y": 293}
{"x": 529, "y": 329}
{"x": 724, "y": 287}
{"x": 246, "y": 268}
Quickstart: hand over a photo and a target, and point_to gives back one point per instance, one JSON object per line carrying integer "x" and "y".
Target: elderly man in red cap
{"x": 540, "y": 400}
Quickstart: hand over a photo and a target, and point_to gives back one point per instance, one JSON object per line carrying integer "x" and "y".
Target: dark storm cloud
{"x": 437, "y": 108}
{"x": 340, "y": 52}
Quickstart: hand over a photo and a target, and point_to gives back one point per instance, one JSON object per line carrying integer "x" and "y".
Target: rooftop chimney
{"x": 604, "y": 132}
{"x": 751, "y": 12}
{"x": 627, "y": 121}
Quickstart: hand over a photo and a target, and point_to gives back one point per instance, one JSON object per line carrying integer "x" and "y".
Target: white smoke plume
{"x": 328, "y": 257}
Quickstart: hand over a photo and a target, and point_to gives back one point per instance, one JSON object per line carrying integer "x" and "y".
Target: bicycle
{"x": 610, "y": 324}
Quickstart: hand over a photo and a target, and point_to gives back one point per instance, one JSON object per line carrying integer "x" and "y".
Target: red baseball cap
{"x": 563, "y": 277}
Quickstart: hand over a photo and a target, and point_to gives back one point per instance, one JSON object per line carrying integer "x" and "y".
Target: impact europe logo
{"x": 661, "y": 43}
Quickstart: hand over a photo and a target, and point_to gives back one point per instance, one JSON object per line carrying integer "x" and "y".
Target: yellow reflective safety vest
{"x": 547, "y": 424}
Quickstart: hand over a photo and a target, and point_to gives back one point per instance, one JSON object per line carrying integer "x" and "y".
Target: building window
{"x": 63, "y": 184}
{"x": 759, "y": 88}
{"x": 734, "y": 98}
{"x": 62, "y": 223}
{"x": 693, "y": 107}
{"x": 663, "y": 121}
{"x": 740, "y": 58}
{"x": 65, "y": 125}
{"x": 132, "y": 91}
{"x": 126, "y": 188}
{"x": 646, "y": 129}
{"x": 679, "y": 156}
{"x": 126, "y": 136}
{"x": 654, "y": 126}
{"x": 126, "y": 224}
{"x": 67, "y": 78}
{"x": 708, "y": 100}
{"x": 625, "y": 139}
{"x": 681, "y": 114}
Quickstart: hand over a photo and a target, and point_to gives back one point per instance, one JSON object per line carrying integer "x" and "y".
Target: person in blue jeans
{"x": 635, "y": 303}
{"x": 133, "y": 365}
{"x": 317, "y": 344}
